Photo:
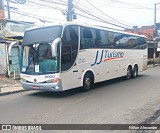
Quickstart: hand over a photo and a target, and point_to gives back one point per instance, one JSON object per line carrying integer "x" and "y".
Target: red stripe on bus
{"x": 111, "y": 59}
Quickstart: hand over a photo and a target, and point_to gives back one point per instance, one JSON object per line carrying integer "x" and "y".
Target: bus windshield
{"x": 36, "y": 57}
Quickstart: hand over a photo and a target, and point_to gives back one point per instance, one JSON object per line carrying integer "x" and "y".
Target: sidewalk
{"x": 9, "y": 86}
{"x": 151, "y": 65}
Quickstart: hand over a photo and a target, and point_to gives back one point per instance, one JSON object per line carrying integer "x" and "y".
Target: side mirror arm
{"x": 54, "y": 46}
{"x": 10, "y": 47}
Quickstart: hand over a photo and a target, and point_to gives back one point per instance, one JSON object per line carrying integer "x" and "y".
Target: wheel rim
{"x": 128, "y": 73}
{"x": 88, "y": 83}
{"x": 135, "y": 71}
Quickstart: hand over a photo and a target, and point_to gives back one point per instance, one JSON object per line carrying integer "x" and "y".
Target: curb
{"x": 150, "y": 66}
{"x": 11, "y": 92}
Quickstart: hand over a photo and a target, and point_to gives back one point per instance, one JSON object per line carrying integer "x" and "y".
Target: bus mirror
{"x": 10, "y": 47}
{"x": 55, "y": 46}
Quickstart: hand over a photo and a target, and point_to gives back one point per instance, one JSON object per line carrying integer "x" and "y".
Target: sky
{"x": 124, "y": 13}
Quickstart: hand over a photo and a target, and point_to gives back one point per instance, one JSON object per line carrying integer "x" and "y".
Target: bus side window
{"x": 141, "y": 43}
{"x": 86, "y": 38}
{"x": 111, "y": 38}
{"x": 121, "y": 40}
{"x": 132, "y": 42}
{"x": 104, "y": 39}
{"x": 97, "y": 40}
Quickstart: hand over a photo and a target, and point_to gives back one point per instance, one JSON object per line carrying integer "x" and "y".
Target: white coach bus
{"x": 70, "y": 55}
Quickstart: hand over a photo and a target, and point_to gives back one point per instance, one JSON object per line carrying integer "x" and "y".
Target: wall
{"x": 3, "y": 66}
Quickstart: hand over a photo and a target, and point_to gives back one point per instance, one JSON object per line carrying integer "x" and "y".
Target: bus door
{"x": 69, "y": 51}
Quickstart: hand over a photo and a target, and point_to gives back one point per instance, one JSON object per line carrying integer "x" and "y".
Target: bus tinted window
{"x": 69, "y": 47}
{"x": 125, "y": 41}
{"x": 132, "y": 40}
{"x": 42, "y": 35}
{"x": 86, "y": 38}
{"x": 141, "y": 43}
{"x": 104, "y": 39}
{"x": 90, "y": 38}
{"x": 113, "y": 39}
{"x": 96, "y": 38}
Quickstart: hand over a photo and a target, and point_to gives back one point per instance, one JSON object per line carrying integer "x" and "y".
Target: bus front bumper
{"x": 54, "y": 87}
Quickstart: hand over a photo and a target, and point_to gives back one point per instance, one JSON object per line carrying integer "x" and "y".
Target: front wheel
{"x": 88, "y": 82}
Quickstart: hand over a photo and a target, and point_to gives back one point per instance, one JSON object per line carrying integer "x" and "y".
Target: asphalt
{"x": 117, "y": 101}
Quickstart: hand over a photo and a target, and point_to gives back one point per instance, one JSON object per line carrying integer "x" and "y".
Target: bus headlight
{"x": 56, "y": 80}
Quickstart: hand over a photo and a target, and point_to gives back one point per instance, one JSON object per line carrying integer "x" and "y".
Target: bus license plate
{"x": 35, "y": 87}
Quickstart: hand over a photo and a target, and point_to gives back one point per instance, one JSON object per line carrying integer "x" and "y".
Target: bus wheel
{"x": 135, "y": 71}
{"x": 88, "y": 82}
{"x": 129, "y": 73}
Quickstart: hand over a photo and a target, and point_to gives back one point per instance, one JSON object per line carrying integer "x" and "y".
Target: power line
{"x": 33, "y": 16}
{"x": 48, "y": 1}
{"x": 97, "y": 21}
{"x": 131, "y": 4}
{"x": 44, "y": 5}
{"x": 106, "y": 14}
{"x": 36, "y": 16}
{"x": 126, "y": 7}
{"x": 96, "y": 16}
{"x": 90, "y": 10}
{"x": 100, "y": 18}
{"x": 55, "y": 4}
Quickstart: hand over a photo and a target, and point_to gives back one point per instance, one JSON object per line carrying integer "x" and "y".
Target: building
{"x": 11, "y": 31}
{"x": 148, "y": 31}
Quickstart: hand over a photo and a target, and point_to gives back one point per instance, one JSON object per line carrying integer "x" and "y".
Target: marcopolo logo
{"x": 106, "y": 56}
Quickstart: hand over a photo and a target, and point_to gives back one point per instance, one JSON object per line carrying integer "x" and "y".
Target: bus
{"x": 70, "y": 55}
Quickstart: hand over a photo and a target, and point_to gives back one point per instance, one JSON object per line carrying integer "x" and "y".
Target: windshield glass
{"x": 42, "y": 35}
{"x": 37, "y": 59}
{"x": 36, "y": 56}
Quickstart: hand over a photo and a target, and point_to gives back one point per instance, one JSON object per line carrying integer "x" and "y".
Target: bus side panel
{"x": 102, "y": 67}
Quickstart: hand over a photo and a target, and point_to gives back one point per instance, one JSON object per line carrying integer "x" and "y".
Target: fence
{"x": 157, "y": 61}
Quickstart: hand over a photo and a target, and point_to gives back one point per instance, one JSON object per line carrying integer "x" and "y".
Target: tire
{"x": 88, "y": 82}
{"x": 135, "y": 72}
{"x": 129, "y": 73}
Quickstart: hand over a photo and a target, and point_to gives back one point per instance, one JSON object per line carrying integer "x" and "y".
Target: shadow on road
{"x": 57, "y": 94}
{"x": 78, "y": 91}
{"x": 115, "y": 81}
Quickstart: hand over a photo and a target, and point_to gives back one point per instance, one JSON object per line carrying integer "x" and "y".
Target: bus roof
{"x": 86, "y": 25}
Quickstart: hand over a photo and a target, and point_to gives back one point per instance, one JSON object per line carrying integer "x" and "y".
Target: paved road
{"x": 116, "y": 101}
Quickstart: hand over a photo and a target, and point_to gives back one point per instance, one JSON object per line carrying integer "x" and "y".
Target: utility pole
{"x": 2, "y": 16}
{"x": 154, "y": 34}
{"x": 70, "y": 10}
{"x": 8, "y": 8}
